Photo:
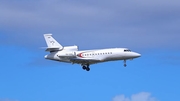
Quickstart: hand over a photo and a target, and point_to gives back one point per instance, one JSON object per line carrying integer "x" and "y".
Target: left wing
{"x": 85, "y": 60}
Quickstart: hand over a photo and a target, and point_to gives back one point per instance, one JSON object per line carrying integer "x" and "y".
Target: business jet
{"x": 85, "y": 58}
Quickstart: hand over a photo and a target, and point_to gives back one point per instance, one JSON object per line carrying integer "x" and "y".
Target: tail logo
{"x": 52, "y": 42}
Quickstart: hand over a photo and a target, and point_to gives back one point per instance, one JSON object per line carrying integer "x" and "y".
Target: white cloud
{"x": 7, "y": 100}
{"x": 49, "y": 14}
{"x": 120, "y": 98}
{"x": 132, "y": 24}
{"x": 142, "y": 96}
{"x": 64, "y": 14}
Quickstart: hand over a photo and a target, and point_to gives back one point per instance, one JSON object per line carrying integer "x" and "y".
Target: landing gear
{"x": 86, "y": 67}
{"x": 83, "y": 67}
{"x": 125, "y": 63}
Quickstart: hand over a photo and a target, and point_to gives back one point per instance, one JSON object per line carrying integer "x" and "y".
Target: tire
{"x": 88, "y": 69}
{"x": 84, "y": 67}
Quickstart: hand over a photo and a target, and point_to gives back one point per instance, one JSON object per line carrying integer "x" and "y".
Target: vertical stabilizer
{"x": 51, "y": 42}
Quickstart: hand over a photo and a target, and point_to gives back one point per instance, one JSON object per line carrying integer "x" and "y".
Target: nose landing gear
{"x": 125, "y": 63}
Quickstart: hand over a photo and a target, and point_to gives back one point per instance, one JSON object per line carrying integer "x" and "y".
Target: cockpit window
{"x": 127, "y": 50}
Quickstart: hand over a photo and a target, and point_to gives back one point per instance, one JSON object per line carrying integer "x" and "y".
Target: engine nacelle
{"x": 71, "y": 48}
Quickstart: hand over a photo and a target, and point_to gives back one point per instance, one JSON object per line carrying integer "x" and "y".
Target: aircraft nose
{"x": 137, "y": 55}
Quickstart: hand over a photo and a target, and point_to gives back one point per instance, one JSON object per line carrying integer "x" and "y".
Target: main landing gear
{"x": 125, "y": 63}
{"x": 86, "y": 67}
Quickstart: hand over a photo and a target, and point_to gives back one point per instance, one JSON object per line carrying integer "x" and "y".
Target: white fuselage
{"x": 102, "y": 55}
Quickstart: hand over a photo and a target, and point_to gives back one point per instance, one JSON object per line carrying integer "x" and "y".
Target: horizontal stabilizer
{"x": 53, "y": 49}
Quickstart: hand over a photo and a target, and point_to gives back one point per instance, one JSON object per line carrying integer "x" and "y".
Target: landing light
{"x": 45, "y": 56}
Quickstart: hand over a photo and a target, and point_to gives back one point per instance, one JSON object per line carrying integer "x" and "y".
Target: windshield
{"x": 127, "y": 50}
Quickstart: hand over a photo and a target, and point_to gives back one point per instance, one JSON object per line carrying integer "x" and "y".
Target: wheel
{"x": 84, "y": 67}
{"x": 87, "y": 69}
{"x": 125, "y": 65}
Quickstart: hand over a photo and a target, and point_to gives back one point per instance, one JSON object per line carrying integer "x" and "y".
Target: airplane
{"x": 71, "y": 54}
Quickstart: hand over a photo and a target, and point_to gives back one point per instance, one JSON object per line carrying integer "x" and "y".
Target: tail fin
{"x": 52, "y": 44}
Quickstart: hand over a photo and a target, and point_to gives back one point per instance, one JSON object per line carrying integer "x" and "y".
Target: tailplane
{"x": 52, "y": 44}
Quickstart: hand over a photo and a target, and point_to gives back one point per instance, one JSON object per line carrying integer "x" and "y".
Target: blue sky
{"x": 147, "y": 27}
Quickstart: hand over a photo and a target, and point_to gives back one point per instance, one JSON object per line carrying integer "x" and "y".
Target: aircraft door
{"x": 74, "y": 53}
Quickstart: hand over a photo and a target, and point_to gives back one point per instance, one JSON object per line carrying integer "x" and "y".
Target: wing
{"x": 85, "y": 60}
